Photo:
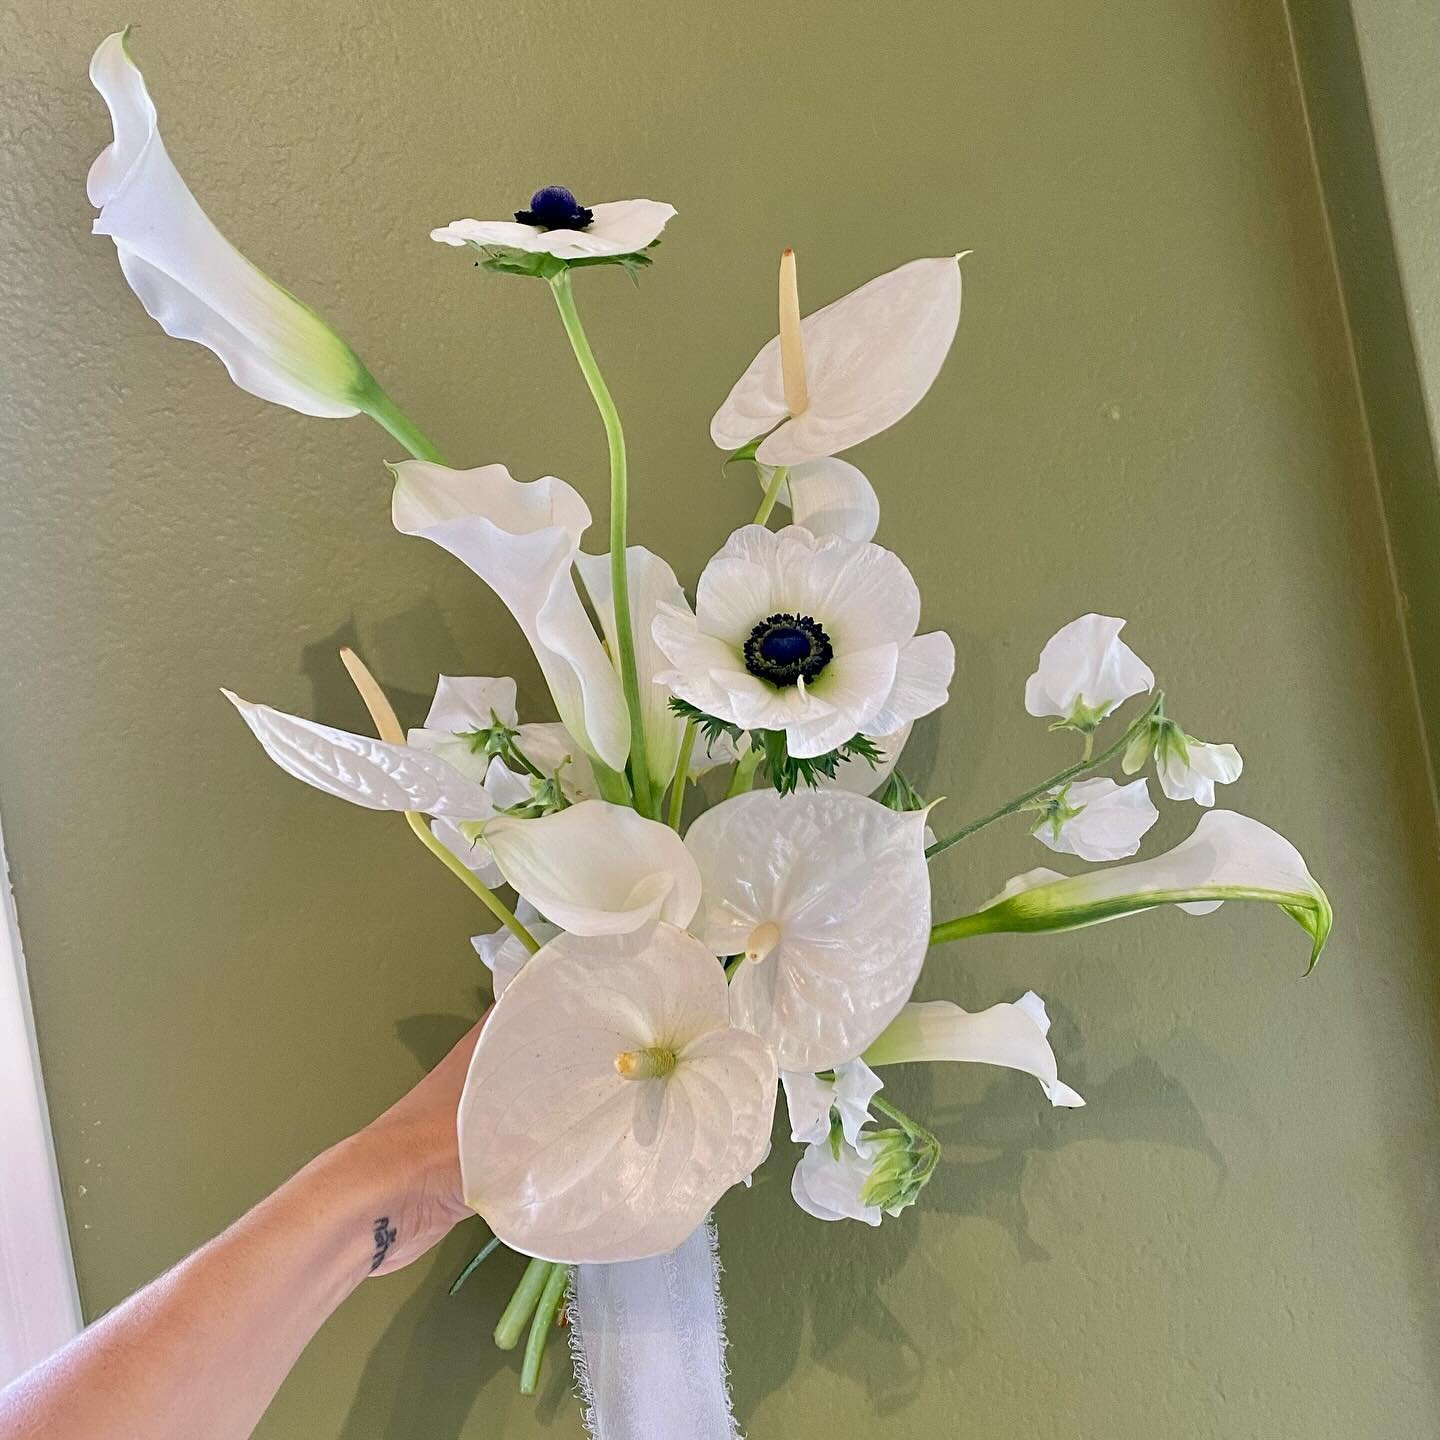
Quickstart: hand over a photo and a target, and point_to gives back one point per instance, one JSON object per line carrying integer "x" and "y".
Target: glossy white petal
{"x": 1012, "y": 1035}
{"x": 597, "y": 869}
{"x": 828, "y": 1186}
{"x": 362, "y": 769}
{"x": 1113, "y": 820}
{"x": 832, "y": 497}
{"x": 843, "y": 886}
{"x": 652, "y": 584}
{"x": 869, "y": 359}
{"x": 1195, "y": 774}
{"x": 809, "y": 1100}
{"x": 568, "y": 1159}
{"x": 191, "y": 279}
{"x": 620, "y": 227}
{"x": 1086, "y": 663}
{"x": 522, "y": 539}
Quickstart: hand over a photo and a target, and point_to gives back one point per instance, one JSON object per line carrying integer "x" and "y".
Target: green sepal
{"x": 900, "y": 794}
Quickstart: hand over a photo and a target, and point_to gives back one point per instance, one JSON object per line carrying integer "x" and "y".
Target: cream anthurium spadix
{"x": 555, "y": 223}
{"x": 192, "y": 280}
{"x": 827, "y": 896}
{"x": 522, "y": 539}
{"x": 610, "y": 1103}
{"x": 1229, "y": 857}
{"x": 868, "y": 358}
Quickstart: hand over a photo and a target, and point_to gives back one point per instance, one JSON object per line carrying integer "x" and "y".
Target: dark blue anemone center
{"x": 785, "y": 649}
{"x": 555, "y": 208}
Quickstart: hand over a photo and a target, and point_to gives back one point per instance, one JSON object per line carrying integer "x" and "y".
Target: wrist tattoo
{"x": 384, "y": 1237}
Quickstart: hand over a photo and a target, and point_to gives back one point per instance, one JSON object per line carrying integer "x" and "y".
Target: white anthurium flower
{"x": 522, "y": 539}
{"x": 192, "y": 280}
{"x": 609, "y": 1102}
{"x": 869, "y": 358}
{"x": 807, "y": 634}
{"x": 810, "y": 1099}
{"x": 1010, "y": 1034}
{"x": 829, "y": 497}
{"x": 1189, "y": 769}
{"x": 827, "y": 896}
{"x": 596, "y": 868}
{"x": 374, "y": 773}
{"x": 1229, "y": 857}
{"x": 652, "y": 583}
{"x": 501, "y": 950}
{"x": 555, "y": 223}
{"x": 1096, "y": 819}
{"x": 1085, "y": 671}
{"x": 830, "y": 1180}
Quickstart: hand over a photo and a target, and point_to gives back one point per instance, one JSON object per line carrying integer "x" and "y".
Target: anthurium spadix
{"x": 522, "y": 539}
{"x": 610, "y": 1103}
{"x": 867, "y": 360}
{"x": 1229, "y": 857}
{"x": 827, "y": 896}
{"x": 192, "y": 280}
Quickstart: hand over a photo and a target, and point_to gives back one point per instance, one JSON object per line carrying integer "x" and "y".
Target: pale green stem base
{"x": 682, "y": 775}
{"x": 772, "y": 494}
{"x": 552, "y": 1297}
{"x": 516, "y": 1315}
{"x": 385, "y": 413}
{"x": 744, "y": 775}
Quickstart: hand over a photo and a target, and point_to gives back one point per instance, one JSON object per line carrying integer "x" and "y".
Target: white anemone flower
{"x": 811, "y": 635}
{"x": 555, "y": 223}
{"x": 1085, "y": 671}
{"x": 610, "y": 1103}
{"x": 827, "y": 896}
{"x": 868, "y": 359}
{"x": 192, "y": 280}
{"x": 522, "y": 539}
{"x": 829, "y": 497}
{"x": 1096, "y": 819}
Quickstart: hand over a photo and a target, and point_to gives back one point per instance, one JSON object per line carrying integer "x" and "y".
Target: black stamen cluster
{"x": 555, "y": 208}
{"x": 785, "y": 649}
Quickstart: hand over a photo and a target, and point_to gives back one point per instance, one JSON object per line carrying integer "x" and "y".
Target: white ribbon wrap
{"x": 648, "y": 1341}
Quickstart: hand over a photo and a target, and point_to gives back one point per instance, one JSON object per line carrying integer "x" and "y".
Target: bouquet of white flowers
{"x": 656, "y": 984}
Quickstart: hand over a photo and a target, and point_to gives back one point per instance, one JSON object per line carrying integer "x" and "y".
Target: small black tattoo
{"x": 384, "y": 1239}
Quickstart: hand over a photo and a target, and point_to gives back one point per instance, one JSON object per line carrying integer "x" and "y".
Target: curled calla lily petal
{"x": 522, "y": 539}
{"x": 191, "y": 279}
{"x": 362, "y": 769}
{"x": 1097, "y": 819}
{"x": 652, "y": 583}
{"x": 831, "y": 497}
{"x": 869, "y": 359}
{"x": 609, "y": 1102}
{"x": 1012, "y": 1035}
{"x": 616, "y": 227}
{"x": 827, "y": 894}
{"x": 1085, "y": 671}
{"x": 1229, "y": 857}
{"x": 597, "y": 869}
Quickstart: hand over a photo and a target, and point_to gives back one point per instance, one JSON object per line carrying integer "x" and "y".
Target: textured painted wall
{"x": 1150, "y": 410}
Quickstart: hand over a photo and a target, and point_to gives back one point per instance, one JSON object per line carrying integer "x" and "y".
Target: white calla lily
{"x": 807, "y": 634}
{"x": 522, "y": 539}
{"x": 869, "y": 358}
{"x": 1229, "y": 857}
{"x": 1010, "y": 1034}
{"x": 609, "y": 1103}
{"x": 1097, "y": 819}
{"x": 827, "y": 895}
{"x": 1085, "y": 671}
{"x": 830, "y": 497}
{"x": 555, "y": 224}
{"x": 809, "y": 1099}
{"x": 192, "y": 280}
{"x": 596, "y": 868}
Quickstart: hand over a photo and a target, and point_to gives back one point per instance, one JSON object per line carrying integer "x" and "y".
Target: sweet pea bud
{"x": 902, "y": 1162}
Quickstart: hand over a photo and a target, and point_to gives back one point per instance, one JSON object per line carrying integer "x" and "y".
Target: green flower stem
{"x": 1079, "y": 768}
{"x": 384, "y": 412}
{"x": 612, "y": 785}
{"x": 491, "y": 901}
{"x": 564, "y": 294}
{"x": 516, "y": 1315}
{"x": 744, "y": 776}
{"x": 551, "y": 1299}
{"x": 682, "y": 775}
{"x": 909, "y": 1126}
{"x": 772, "y": 494}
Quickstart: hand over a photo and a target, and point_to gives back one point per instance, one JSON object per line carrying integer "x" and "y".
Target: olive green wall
{"x": 1152, "y": 410}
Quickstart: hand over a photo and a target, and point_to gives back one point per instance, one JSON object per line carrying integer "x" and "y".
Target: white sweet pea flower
{"x": 813, "y": 636}
{"x": 192, "y": 280}
{"x": 1085, "y": 671}
{"x": 1189, "y": 769}
{"x": 504, "y": 954}
{"x": 827, "y": 896}
{"x": 1096, "y": 819}
{"x": 522, "y": 540}
{"x": 609, "y": 1102}
{"x": 829, "y": 497}
{"x": 868, "y": 360}
{"x": 464, "y": 705}
{"x": 830, "y": 1180}
{"x": 555, "y": 223}
{"x": 809, "y": 1099}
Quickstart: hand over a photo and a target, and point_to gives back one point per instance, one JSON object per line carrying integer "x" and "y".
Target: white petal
{"x": 829, "y": 1188}
{"x": 620, "y": 227}
{"x": 809, "y": 1100}
{"x": 854, "y": 685}
{"x": 552, "y": 748}
{"x": 869, "y": 359}
{"x": 597, "y": 869}
{"x": 522, "y": 539}
{"x": 468, "y": 702}
{"x": 568, "y": 1160}
{"x": 923, "y": 672}
{"x": 361, "y": 769}
{"x": 1209, "y": 766}
{"x": 471, "y": 853}
{"x": 652, "y": 584}
{"x": 1086, "y": 662}
{"x": 859, "y": 776}
{"x": 846, "y": 882}
{"x": 1012, "y": 1035}
{"x": 1111, "y": 824}
{"x": 832, "y": 497}
{"x": 504, "y": 956}
{"x": 191, "y": 279}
